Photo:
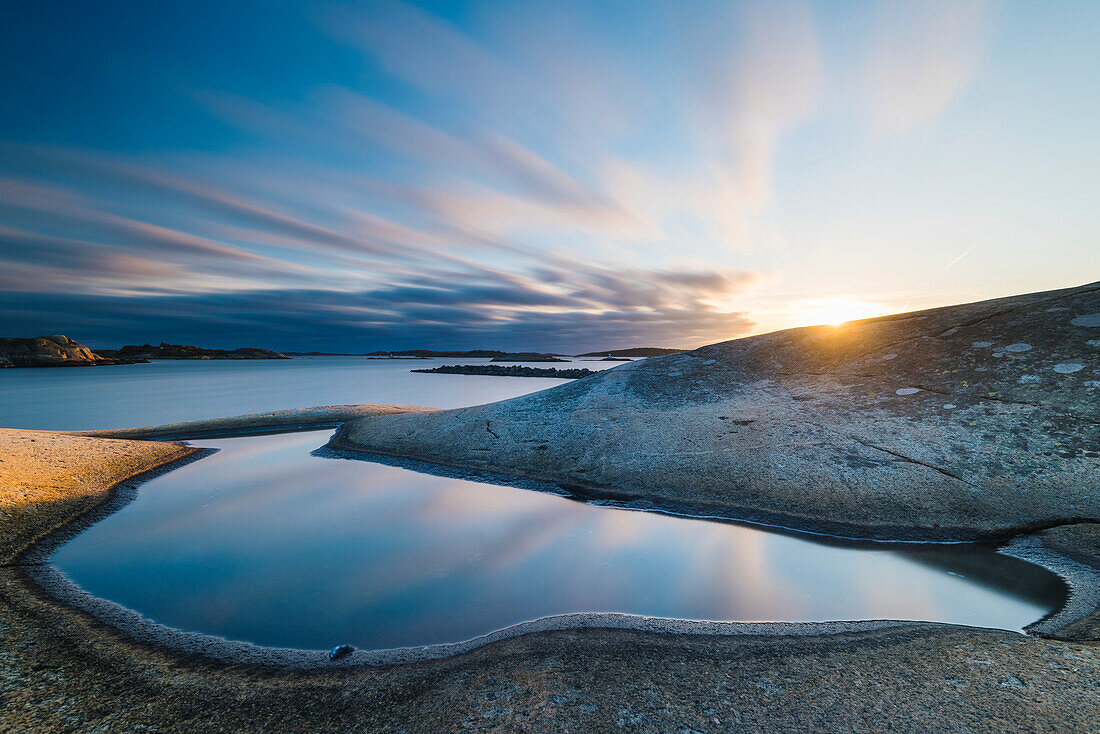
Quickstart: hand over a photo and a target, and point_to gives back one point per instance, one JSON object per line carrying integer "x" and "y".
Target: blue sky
{"x": 535, "y": 175}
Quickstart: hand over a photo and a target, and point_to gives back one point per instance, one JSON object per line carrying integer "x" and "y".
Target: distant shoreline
{"x": 498, "y": 370}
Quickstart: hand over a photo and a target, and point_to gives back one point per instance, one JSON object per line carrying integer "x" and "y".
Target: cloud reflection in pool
{"x": 267, "y": 543}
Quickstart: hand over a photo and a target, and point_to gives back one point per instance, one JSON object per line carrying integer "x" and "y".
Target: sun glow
{"x": 834, "y": 311}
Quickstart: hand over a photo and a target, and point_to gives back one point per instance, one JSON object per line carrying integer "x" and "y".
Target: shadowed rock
{"x": 180, "y": 351}
{"x": 965, "y": 421}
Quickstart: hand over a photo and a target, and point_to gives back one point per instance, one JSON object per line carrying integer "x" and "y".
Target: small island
{"x": 179, "y": 351}
{"x": 532, "y": 357}
{"x": 508, "y": 371}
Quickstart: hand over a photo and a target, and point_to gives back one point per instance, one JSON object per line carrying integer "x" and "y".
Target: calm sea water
{"x": 166, "y": 391}
{"x": 266, "y": 542}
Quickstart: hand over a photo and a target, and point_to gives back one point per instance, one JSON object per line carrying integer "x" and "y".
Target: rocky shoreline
{"x": 53, "y": 351}
{"x": 508, "y": 371}
{"x": 965, "y": 422}
{"x": 972, "y": 421}
{"x": 763, "y": 677}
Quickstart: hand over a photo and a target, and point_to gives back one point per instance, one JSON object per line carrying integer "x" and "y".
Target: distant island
{"x": 634, "y": 352}
{"x": 61, "y": 351}
{"x": 179, "y": 351}
{"x": 56, "y": 350}
{"x": 494, "y": 354}
{"x": 508, "y": 371}
{"x": 528, "y": 358}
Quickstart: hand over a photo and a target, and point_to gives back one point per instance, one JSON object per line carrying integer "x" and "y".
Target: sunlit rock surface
{"x": 969, "y": 420}
{"x": 47, "y": 351}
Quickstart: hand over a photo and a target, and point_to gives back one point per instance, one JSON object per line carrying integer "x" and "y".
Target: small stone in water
{"x": 340, "y": 651}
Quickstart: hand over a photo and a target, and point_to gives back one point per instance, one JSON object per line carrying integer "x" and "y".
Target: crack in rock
{"x": 911, "y": 460}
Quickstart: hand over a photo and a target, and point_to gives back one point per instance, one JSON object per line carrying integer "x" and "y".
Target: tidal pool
{"x": 267, "y": 542}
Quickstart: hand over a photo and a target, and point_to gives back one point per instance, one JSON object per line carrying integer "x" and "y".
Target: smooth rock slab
{"x": 812, "y": 427}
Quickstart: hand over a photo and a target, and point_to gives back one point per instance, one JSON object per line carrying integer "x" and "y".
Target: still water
{"x": 266, "y": 542}
{"x": 166, "y": 391}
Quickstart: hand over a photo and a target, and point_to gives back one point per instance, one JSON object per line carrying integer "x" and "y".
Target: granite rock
{"x": 955, "y": 422}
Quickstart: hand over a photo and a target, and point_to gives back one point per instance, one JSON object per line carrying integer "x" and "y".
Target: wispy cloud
{"x": 923, "y": 55}
{"x": 532, "y": 173}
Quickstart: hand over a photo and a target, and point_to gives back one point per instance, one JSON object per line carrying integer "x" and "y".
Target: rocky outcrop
{"x": 179, "y": 351}
{"x": 49, "y": 351}
{"x": 967, "y": 421}
{"x": 276, "y": 421}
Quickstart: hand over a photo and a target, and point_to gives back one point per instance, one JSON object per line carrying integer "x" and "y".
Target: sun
{"x": 834, "y": 311}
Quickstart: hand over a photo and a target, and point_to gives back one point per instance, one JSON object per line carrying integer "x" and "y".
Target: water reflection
{"x": 265, "y": 542}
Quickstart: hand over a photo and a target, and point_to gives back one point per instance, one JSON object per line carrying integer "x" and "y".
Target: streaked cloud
{"x": 478, "y": 174}
{"x": 923, "y": 55}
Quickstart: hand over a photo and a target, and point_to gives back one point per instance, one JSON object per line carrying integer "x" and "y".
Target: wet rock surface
{"x": 960, "y": 422}
{"x": 64, "y": 672}
{"x": 1079, "y": 543}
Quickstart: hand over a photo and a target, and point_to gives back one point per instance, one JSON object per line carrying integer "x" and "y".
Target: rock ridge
{"x": 969, "y": 421}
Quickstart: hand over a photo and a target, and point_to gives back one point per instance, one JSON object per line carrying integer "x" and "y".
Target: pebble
{"x": 907, "y": 391}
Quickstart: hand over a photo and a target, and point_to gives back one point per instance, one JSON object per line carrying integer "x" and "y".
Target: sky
{"x": 562, "y": 176}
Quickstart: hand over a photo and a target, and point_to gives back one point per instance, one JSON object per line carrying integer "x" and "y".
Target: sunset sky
{"x": 535, "y": 175}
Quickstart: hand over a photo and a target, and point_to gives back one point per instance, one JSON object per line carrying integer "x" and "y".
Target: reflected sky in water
{"x": 167, "y": 391}
{"x": 266, "y": 543}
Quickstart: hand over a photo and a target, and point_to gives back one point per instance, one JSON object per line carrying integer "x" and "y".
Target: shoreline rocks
{"x": 52, "y": 351}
